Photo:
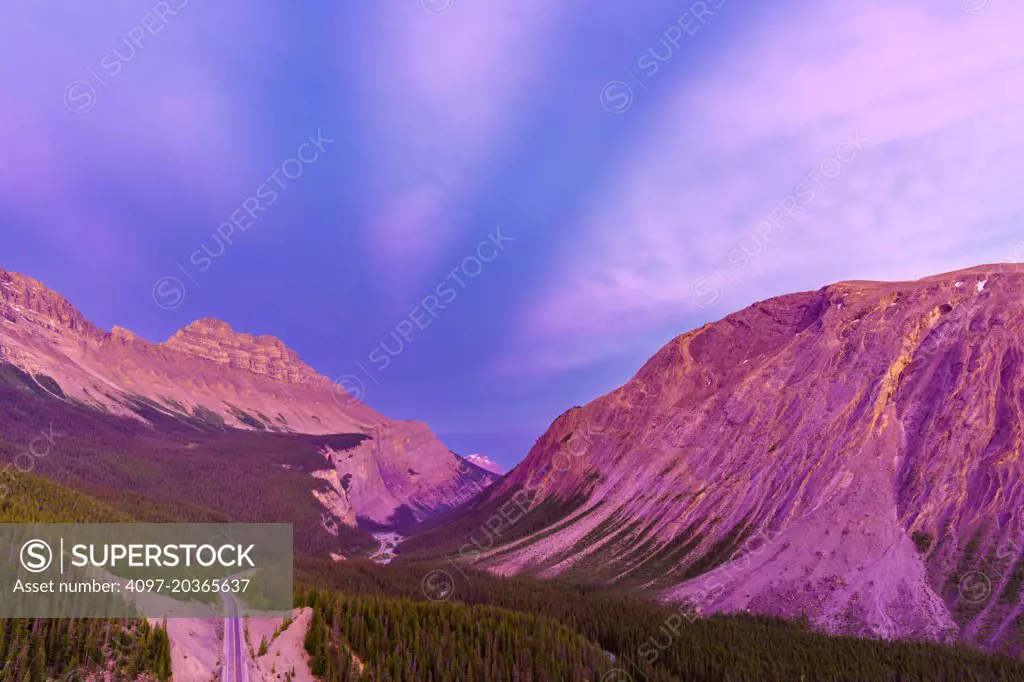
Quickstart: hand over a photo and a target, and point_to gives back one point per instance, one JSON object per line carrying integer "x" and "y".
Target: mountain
{"x": 852, "y": 454}
{"x": 205, "y": 370}
{"x": 485, "y": 462}
{"x": 403, "y": 474}
{"x": 209, "y": 375}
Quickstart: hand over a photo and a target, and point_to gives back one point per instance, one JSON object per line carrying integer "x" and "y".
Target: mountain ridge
{"x": 852, "y": 453}
{"x": 208, "y": 372}
{"x": 208, "y": 338}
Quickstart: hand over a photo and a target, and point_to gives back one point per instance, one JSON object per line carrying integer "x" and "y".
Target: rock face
{"x": 853, "y": 454}
{"x": 267, "y": 356}
{"x": 24, "y": 297}
{"x": 210, "y": 373}
{"x": 402, "y": 474}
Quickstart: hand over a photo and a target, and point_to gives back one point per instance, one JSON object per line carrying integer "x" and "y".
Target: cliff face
{"x": 402, "y": 473}
{"x": 22, "y": 297}
{"x": 266, "y": 356}
{"x": 852, "y": 453}
{"x": 211, "y": 373}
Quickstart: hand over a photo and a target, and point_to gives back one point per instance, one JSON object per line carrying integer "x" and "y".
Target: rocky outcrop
{"x": 23, "y": 298}
{"x": 853, "y": 454}
{"x": 334, "y": 500}
{"x": 217, "y": 342}
{"x": 403, "y": 474}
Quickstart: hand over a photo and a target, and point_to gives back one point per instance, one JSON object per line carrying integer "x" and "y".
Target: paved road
{"x": 380, "y": 550}
{"x": 383, "y": 555}
{"x": 234, "y": 669}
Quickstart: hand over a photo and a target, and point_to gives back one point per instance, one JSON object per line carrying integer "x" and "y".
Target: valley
{"x": 534, "y": 341}
{"x": 728, "y": 500}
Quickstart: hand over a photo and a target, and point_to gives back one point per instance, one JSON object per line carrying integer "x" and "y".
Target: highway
{"x": 385, "y": 554}
{"x": 234, "y": 669}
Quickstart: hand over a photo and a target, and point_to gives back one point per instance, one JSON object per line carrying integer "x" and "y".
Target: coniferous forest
{"x": 372, "y": 618}
{"x": 41, "y": 649}
{"x": 375, "y": 622}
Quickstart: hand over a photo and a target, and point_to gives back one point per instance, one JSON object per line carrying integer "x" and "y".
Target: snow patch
{"x": 981, "y": 285}
{"x": 485, "y": 463}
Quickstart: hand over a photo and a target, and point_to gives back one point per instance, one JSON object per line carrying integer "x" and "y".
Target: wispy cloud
{"x": 447, "y": 92}
{"x": 940, "y": 94}
{"x": 121, "y": 94}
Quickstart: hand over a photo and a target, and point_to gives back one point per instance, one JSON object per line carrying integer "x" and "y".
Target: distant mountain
{"x": 209, "y": 374}
{"x": 485, "y": 462}
{"x": 853, "y": 454}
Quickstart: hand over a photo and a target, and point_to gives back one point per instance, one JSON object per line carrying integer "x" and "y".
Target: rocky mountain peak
{"x": 485, "y": 462}
{"x": 119, "y": 333}
{"x": 247, "y": 381}
{"x": 210, "y": 326}
{"x": 23, "y": 298}
{"x": 216, "y": 341}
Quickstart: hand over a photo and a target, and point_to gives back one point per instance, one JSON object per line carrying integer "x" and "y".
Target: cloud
{"x": 446, "y": 93}
{"x": 940, "y": 94}
{"x": 120, "y": 95}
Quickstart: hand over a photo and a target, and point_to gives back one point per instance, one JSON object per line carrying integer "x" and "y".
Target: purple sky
{"x": 650, "y": 170}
